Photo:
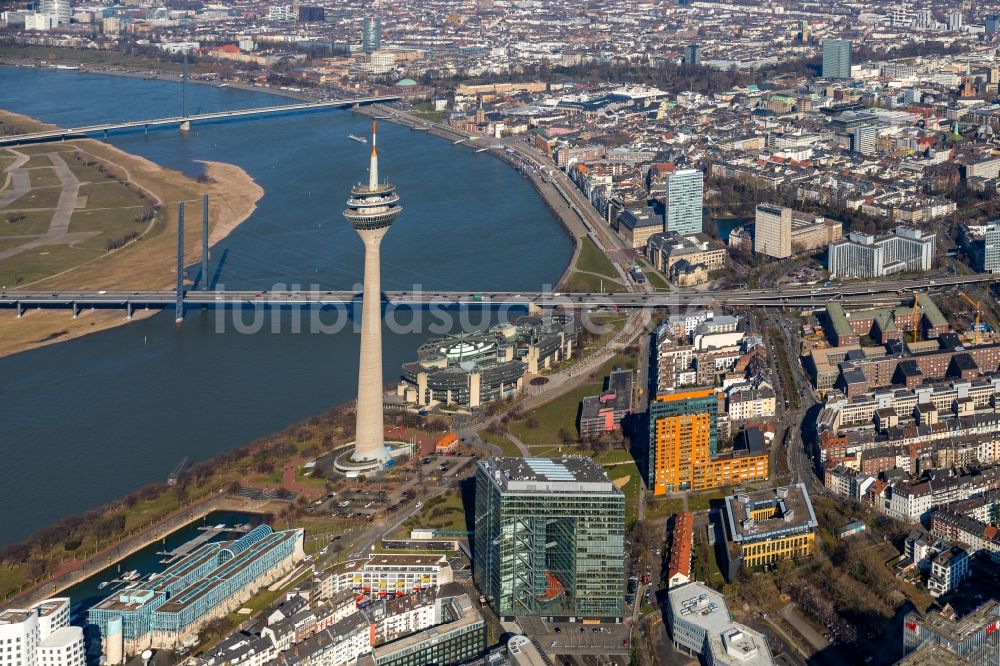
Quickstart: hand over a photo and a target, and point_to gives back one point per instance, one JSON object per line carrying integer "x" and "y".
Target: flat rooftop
{"x": 62, "y": 637}
{"x": 792, "y": 513}
{"x": 15, "y": 615}
{"x": 932, "y": 654}
{"x": 729, "y": 641}
{"x": 548, "y": 475}
{"x": 50, "y": 606}
{"x": 960, "y": 630}
{"x": 469, "y": 615}
{"x": 699, "y": 600}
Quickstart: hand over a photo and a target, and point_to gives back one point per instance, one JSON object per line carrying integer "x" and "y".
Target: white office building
{"x": 699, "y": 622}
{"x": 40, "y": 636}
{"x": 685, "y": 192}
{"x": 905, "y": 250}
{"x": 948, "y": 569}
{"x": 59, "y": 10}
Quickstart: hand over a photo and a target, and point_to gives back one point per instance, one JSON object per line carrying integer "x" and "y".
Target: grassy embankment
{"x": 592, "y": 271}
{"x": 127, "y": 214}
{"x": 103, "y": 58}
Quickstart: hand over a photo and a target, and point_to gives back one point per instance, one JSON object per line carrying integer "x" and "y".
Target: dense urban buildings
{"x": 780, "y": 232}
{"x": 549, "y": 538}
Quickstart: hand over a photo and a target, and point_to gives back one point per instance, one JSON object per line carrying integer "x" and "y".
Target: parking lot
{"x": 574, "y": 638}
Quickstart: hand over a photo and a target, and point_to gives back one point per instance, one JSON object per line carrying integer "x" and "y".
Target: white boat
{"x": 102, "y": 585}
{"x": 359, "y": 139}
{"x": 130, "y": 575}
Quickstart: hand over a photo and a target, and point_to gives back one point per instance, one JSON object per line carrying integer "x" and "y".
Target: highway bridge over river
{"x": 885, "y": 292}
{"x": 184, "y": 121}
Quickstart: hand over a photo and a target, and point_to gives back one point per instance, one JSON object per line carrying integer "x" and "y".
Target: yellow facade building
{"x": 767, "y": 526}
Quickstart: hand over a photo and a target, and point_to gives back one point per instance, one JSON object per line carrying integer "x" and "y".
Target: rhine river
{"x": 86, "y": 421}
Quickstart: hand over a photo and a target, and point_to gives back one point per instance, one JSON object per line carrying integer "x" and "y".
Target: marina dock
{"x": 207, "y": 534}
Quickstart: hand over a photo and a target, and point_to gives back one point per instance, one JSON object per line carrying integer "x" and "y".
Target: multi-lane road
{"x": 795, "y": 296}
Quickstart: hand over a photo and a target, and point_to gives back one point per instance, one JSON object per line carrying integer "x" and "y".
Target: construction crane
{"x": 916, "y": 317}
{"x": 974, "y": 304}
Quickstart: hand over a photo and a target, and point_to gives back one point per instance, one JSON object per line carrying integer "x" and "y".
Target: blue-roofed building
{"x": 164, "y": 610}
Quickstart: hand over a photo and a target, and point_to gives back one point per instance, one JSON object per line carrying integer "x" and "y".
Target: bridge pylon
{"x": 179, "y": 303}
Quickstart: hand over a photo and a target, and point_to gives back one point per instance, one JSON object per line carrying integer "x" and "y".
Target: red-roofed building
{"x": 681, "y": 543}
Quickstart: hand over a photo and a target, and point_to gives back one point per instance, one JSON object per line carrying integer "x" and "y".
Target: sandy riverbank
{"x": 149, "y": 262}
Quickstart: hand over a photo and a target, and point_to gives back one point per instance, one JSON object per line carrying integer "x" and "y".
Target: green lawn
{"x": 507, "y": 447}
{"x": 702, "y": 501}
{"x": 11, "y": 578}
{"x": 442, "y": 512}
{"x": 631, "y": 490}
{"x": 592, "y": 260}
{"x": 591, "y": 284}
{"x": 663, "y": 507}
{"x": 562, "y": 412}
{"x": 613, "y": 456}
{"x": 654, "y": 276}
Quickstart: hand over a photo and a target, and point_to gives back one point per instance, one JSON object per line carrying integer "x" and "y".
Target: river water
{"x": 88, "y": 420}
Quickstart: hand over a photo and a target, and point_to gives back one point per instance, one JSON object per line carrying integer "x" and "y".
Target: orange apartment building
{"x": 683, "y": 441}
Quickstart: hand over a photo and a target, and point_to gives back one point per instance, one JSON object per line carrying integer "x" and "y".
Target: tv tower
{"x": 371, "y": 210}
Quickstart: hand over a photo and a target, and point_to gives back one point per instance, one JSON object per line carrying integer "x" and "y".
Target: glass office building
{"x": 837, "y": 59}
{"x": 549, "y": 539}
{"x": 685, "y": 192}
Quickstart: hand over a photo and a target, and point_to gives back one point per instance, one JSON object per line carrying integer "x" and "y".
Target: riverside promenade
{"x": 72, "y": 572}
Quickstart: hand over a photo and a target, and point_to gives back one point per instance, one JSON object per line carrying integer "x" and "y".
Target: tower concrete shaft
{"x": 369, "y": 440}
{"x": 371, "y": 210}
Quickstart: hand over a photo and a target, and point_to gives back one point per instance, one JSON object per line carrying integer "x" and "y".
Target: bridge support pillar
{"x": 186, "y": 126}
{"x": 179, "y": 303}
{"x": 204, "y": 243}
{"x": 76, "y": 310}
{"x": 105, "y": 135}
{"x": 20, "y": 309}
{"x": 145, "y": 129}
{"x": 128, "y": 309}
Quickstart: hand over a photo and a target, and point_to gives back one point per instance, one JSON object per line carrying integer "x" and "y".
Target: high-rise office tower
{"x": 773, "y": 231}
{"x": 692, "y": 54}
{"x": 992, "y": 24}
{"x": 685, "y": 192}
{"x": 371, "y": 210}
{"x": 371, "y": 36}
{"x": 975, "y": 636}
{"x": 57, "y": 9}
{"x": 837, "y": 59}
{"x": 549, "y": 538}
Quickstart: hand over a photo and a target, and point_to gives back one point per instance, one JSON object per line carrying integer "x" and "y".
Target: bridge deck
{"x": 48, "y": 135}
{"x": 798, "y": 296}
